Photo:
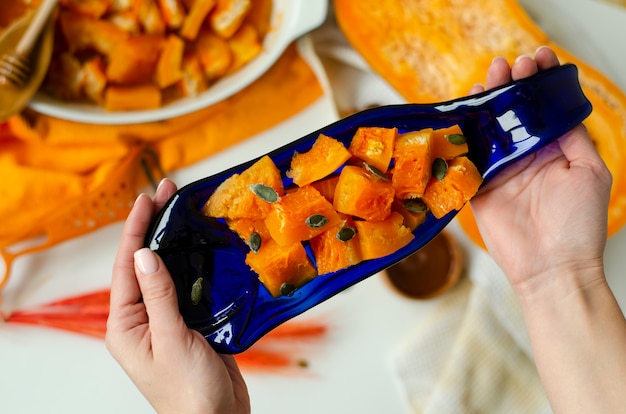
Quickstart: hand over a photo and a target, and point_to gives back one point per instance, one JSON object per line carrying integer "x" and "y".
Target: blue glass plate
{"x": 235, "y": 309}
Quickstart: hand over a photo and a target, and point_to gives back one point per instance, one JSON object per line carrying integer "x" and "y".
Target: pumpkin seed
{"x": 196, "y": 291}
{"x": 440, "y": 167}
{"x": 456, "y": 139}
{"x": 265, "y": 192}
{"x": 346, "y": 233}
{"x": 287, "y": 289}
{"x": 415, "y": 205}
{"x": 375, "y": 171}
{"x": 254, "y": 241}
{"x": 315, "y": 221}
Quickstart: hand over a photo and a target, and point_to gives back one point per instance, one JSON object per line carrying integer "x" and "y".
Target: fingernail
{"x": 161, "y": 183}
{"x": 541, "y": 48}
{"x": 146, "y": 261}
{"x": 520, "y": 57}
{"x": 497, "y": 58}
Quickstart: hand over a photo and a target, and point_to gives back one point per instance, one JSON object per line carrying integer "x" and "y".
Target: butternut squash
{"x": 433, "y": 50}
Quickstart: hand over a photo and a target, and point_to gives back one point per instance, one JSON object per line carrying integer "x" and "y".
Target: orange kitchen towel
{"x": 62, "y": 179}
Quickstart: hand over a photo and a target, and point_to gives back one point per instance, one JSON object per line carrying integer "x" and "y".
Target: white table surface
{"x": 49, "y": 371}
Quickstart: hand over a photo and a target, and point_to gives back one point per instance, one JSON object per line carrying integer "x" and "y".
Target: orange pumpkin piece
{"x": 414, "y": 212}
{"x": 443, "y": 143}
{"x": 228, "y": 15}
{"x": 458, "y": 186}
{"x": 214, "y": 54}
{"x": 279, "y": 265}
{"x": 132, "y": 97}
{"x": 326, "y": 187}
{"x": 192, "y": 81}
{"x": 135, "y": 60}
{"x": 95, "y": 80}
{"x": 235, "y": 199}
{"x": 300, "y": 215}
{"x": 381, "y": 238}
{"x": 334, "y": 250}
{"x": 325, "y": 156}
{"x": 150, "y": 16}
{"x": 245, "y": 46}
{"x": 83, "y": 32}
{"x": 246, "y": 227}
{"x": 412, "y": 160}
{"x": 169, "y": 65}
{"x": 198, "y": 11}
{"x": 374, "y": 145}
{"x": 173, "y": 13}
{"x": 359, "y": 193}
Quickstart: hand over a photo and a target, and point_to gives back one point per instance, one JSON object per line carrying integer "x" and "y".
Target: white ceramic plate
{"x": 290, "y": 20}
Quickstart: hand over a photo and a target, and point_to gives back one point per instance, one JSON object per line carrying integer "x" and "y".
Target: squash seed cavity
{"x": 440, "y": 168}
{"x": 196, "y": 291}
{"x": 315, "y": 221}
{"x": 456, "y": 139}
{"x": 254, "y": 241}
{"x": 346, "y": 233}
{"x": 265, "y": 192}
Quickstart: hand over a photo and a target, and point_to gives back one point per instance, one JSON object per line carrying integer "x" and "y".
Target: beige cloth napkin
{"x": 472, "y": 354}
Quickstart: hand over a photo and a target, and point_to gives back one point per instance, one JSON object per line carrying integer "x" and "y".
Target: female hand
{"x": 546, "y": 214}
{"x": 174, "y": 367}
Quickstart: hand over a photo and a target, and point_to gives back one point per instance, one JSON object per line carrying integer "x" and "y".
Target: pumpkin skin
{"x": 412, "y": 164}
{"x": 458, "y": 186}
{"x": 276, "y": 264}
{"x": 426, "y": 65}
{"x": 359, "y": 193}
{"x": 287, "y": 219}
{"x": 331, "y": 253}
{"x": 381, "y": 238}
{"x": 374, "y": 145}
{"x": 325, "y": 156}
{"x": 234, "y": 199}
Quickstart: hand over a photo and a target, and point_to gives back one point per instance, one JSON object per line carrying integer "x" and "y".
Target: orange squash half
{"x": 432, "y": 51}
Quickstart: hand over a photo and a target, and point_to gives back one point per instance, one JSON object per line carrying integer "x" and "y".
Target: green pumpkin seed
{"x": 315, "y": 221}
{"x": 346, "y": 233}
{"x": 265, "y": 192}
{"x": 254, "y": 241}
{"x": 287, "y": 289}
{"x": 456, "y": 139}
{"x": 375, "y": 171}
{"x": 440, "y": 168}
{"x": 415, "y": 205}
{"x": 196, "y": 291}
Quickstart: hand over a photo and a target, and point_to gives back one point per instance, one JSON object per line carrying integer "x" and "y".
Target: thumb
{"x": 159, "y": 294}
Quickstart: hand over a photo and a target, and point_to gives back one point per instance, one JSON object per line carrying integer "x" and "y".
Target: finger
{"x": 478, "y": 88}
{"x": 546, "y": 58}
{"x": 159, "y": 296}
{"x": 523, "y": 67}
{"x": 164, "y": 191}
{"x": 499, "y": 73}
{"x": 124, "y": 288}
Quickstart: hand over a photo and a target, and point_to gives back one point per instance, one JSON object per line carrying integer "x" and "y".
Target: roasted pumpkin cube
{"x": 325, "y": 156}
{"x": 133, "y": 97}
{"x": 169, "y": 66}
{"x": 381, "y": 238}
{"x": 245, "y": 46}
{"x": 214, "y": 54}
{"x": 246, "y": 228}
{"x": 281, "y": 269}
{"x": 300, "y": 215}
{"x": 173, "y": 13}
{"x": 150, "y": 16}
{"x": 413, "y": 210}
{"x": 135, "y": 60}
{"x": 459, "y": 184}
{"x": 448, "y": 143}
{"x": 327, "y": 186}
{"x": 234, "y": 198}
{"x": 127, "y": 21}
{"x": 374, "y": 145}
{"x": 227, "y": 16}
{"x": 337, "y": 248}
{"x": 412, "y": 163}
{"x": 362, "y": 194}
{"x": 92, "y": 8}
{"x": 193, "y": 80}
{"x": 95, "y": 80}
{"x": 87, "y": 33}
{"x": 198, "y": 11}
{"x": 260, "y": 16}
